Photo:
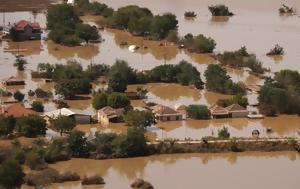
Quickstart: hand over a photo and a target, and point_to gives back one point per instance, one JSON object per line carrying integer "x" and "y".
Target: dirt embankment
{"x": 25, "y": 5}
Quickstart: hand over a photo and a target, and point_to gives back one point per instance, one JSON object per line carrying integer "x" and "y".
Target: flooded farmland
{"x": 247, "y": 170}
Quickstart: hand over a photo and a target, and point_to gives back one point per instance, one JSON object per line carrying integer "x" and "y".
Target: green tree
{"x": 11, "y": 174}
{"x": 198, "y": 112}
{"x": 7, "y": 125}
{"x": 220, "y": 10}
{"x": 31, "y": 126}
{"x": 87, "y": 32}
{"x": 103, "y": 143}
{"x": 99, "y": 100}
{"x": 223, "y": 133}
{"x": 140, "y": 119}
{"x": 132, "y": 144}
{"x": 118, "y": 100}
{"x": 19, "y": 96}
{"x": 37, "y": 106}
{"x": 78, "y": 144}
{"x": 120, "y": 75}
{"x": 20, "y": 63}
{"x": 63, "y": 124}
{"x": 70, "y": 88}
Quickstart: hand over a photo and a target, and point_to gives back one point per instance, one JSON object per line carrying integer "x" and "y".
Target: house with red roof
{"x": 16, "y": 110}
{"x": 25, "y": 30}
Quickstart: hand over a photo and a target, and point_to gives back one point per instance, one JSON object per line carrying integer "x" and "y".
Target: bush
{"x": 78, "y": 144}
{"x": 198, "y": 112}
{"x": 277, "y": 50}
{"x": 237, "y": 99}
{"x": 199, "y": 43}
{"x": 20, "y": 63}
{"x": 94, "y": 180}
{"x": 34, "y": 161}
{"x": 220, "y": 10}
{"x": 57, "y": 151}
{"x": 37, "y": 106}
{"x": 240, "y": 59}
{"x": 31, "y": 126}
{"x": 40, "y": 93}
{"x": 19, "y": 96}
{"x": 223, "y": 133}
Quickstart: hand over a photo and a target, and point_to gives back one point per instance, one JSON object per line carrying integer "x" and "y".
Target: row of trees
{"x": 141, "y": 21}
{"x": 240, "y": 59}
{"x": 94, "y": 8}
{"x": 114, "y": 100}
{"x": 66, "y": 27}
{"x": 29, "y": 126}
{"x": 218, "y": 80}
{"x": 281, "y": 94}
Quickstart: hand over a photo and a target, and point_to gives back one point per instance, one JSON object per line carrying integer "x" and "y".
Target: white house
{"x": 77, "y": 115}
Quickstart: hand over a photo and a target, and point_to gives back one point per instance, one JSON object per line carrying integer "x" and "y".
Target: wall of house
{"x": 238, "y": 114}
{"x": 169, "y": 118}
{"x": 28, "y": 34}
{"x": 82, "y": 119}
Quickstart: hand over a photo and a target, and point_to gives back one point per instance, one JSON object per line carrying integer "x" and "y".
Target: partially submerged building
{"x": 109, "y": 114}
{"x": 232, "y": 111}
{"x": 25, "y": 30}
{"x": 79, "y": 116}
{"x": 164, "y": 113}
{"x": 235, "y": 111}
{"x": 13, "y": 81}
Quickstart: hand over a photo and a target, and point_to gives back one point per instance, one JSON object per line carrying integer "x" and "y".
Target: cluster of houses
{"x": 108, "y": 114}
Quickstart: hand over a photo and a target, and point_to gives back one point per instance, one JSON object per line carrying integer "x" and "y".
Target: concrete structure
{"x": 164, "y": 113}
{"x": 109, "y": 114}
{"x": 78, "y": 116}
{"x": 235, "y": 110}
{"x": 25, "y": 30}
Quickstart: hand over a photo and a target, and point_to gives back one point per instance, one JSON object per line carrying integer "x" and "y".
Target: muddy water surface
{"x": 248, "y": 170}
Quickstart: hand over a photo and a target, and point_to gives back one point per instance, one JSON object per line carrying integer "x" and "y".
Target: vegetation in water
{"x": 218, "y": 80}
{"x": 37, "y": 106}
{"x": 19, "y": 96}
{"x": 198, "y": 112}
{"x": 240, "y": 59}
{"x": 277, "y": 50}
{"x": 198, "y": 44}
{"x": 220, "y": 10}
{"x": 190, "y": 14}
{"x": 284, "y": 9}
{"x": 236, "y": 99}
{"x": 281, "y": 95}
{"x": 66, "y": 28}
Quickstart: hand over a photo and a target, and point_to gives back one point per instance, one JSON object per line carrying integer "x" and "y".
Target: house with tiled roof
{"x": 164, "y": 113}
{"x": 108, "y": 114}
{"x": 16, "y": 110}
{"x": 235, "y": 110}
{"x": 218, "y": 111}
{"x": 25, "y": 30}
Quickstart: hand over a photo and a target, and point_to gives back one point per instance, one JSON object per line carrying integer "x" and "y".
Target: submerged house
{"x": 218, "y": 112}
{"x": 235, "y": 111}
{"x": 232, "y": 111}
{"x": 13, "y": 81}
{"x": 109, "y": 114}
{"x": 25, "y": 30}
{"x": 164, "y": 113}
{"x": 78, "y": 116}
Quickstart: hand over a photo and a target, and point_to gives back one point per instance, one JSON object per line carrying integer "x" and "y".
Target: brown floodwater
{"x": 256, "y": 25}
{"x": 259, "y": 170}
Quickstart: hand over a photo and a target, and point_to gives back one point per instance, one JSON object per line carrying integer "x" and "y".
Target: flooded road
{"x": 247, "y": 170}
